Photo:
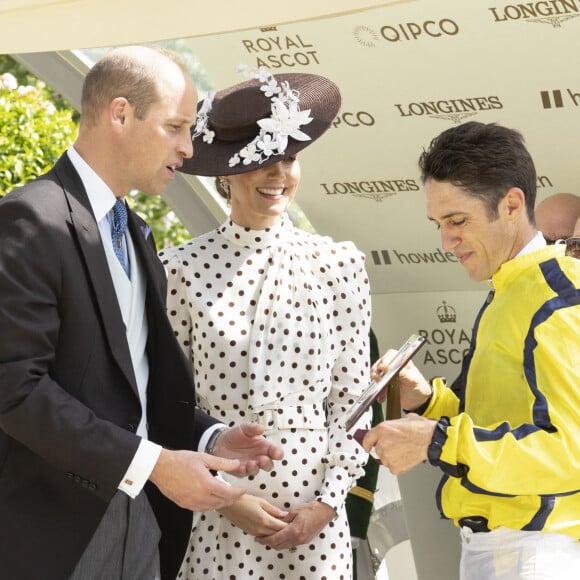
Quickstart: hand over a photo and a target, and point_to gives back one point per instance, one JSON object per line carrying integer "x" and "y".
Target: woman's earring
{"x": 225, "y": 185}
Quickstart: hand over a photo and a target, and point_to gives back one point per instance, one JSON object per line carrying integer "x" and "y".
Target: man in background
{"x": 557, "y": 215}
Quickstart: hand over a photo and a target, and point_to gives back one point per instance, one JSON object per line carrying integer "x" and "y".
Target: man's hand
{"x": 304, "y": 523}
{"x": 255, "y": 515}
{"x": 184, "y": 477}
{"x": 245, "y": 443}
{"x": 413, "y": 386}
{"x": 401, "y": 444}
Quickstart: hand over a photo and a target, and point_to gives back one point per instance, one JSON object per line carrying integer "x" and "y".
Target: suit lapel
{"x": 149, "y": 261}
{"x": 83, "y": 225}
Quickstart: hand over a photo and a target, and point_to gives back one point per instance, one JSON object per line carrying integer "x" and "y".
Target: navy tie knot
{"x": 118, "y": 228}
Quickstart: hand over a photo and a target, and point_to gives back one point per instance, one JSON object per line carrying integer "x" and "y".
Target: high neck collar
{"x": 255, "y": 239}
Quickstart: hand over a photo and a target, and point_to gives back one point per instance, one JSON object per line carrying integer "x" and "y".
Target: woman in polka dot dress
{"x": 275, "y": 322}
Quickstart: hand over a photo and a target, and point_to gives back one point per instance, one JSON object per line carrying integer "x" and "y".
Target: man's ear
{"x": 513, "y": 203}
{"x": 118, "y": 111}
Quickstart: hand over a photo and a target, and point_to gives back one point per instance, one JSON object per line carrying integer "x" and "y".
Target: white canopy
{"x": 43, "y": 25}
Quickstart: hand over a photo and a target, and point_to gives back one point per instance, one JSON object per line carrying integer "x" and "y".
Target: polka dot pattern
{"x": 276, "y": 324}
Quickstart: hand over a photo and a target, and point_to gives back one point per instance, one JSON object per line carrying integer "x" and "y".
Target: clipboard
{"x": 371, "y": 393}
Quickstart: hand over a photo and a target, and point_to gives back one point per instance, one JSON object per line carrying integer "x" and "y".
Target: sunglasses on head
{"x": 572, "y": 245}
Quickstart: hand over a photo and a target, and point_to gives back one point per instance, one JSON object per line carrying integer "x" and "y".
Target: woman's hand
{"x": 255, "y": 516}
{"x": 304, "y": 523}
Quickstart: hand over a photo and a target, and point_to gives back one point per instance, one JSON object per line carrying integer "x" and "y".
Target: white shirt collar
{"x": 101, "y": 198}
{"x": 534, "y": 244}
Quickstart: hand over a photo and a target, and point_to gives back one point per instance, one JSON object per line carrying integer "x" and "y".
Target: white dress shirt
{"x": 102, "y": 201}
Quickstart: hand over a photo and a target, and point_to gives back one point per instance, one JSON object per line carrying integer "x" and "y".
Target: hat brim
{"x": 316, "y": 93}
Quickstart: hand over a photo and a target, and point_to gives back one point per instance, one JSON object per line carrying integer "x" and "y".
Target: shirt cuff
{"x": 140, "y": 468}
{"x": 207, "y": 434}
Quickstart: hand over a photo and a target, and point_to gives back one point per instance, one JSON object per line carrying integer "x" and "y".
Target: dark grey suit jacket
{"x": 69, "y": 406}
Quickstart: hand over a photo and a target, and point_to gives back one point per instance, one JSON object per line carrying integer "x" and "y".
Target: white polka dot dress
{"x": 276, "y": 325}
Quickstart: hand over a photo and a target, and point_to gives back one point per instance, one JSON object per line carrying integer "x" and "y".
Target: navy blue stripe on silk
{"x": 460, "y": 383}
{"x": 567, "y": 295}
{"x": 538, "y": 522}
{"x": 438, "y": 493}
{"x": 469, "y": 485}
{"x": 479, "y": 490}
{"x": 559, "y": 282}
{"x": 502, "y": 430}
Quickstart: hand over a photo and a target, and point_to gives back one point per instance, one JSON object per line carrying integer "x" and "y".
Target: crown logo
{"x": 446, "y": 313}
{"x": 268, "y": 28}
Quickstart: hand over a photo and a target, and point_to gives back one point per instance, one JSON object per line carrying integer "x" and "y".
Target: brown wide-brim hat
{"x": 234, "y": 115}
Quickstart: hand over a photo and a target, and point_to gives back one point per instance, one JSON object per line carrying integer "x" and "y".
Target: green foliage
{"x": 37, "y": 126}
{"x": 22, "y": 75}
{"x": 33, "y": 132}
{"x": 25, "y": 78}
{"x": 165, "y": 226}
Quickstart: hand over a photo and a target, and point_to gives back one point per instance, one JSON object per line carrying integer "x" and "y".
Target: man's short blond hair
{"x": 130, "y": 72}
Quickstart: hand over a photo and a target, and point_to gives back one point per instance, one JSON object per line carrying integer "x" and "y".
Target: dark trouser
{"x": 125, "y": 545}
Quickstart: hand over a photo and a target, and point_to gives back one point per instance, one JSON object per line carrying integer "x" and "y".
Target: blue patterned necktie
{"x": 118, "y": 228}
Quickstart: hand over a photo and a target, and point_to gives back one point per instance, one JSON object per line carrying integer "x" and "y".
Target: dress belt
{"x": 304, "y": 416}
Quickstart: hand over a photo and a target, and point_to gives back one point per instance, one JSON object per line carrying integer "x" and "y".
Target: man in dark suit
{"x": 96, "y": 399}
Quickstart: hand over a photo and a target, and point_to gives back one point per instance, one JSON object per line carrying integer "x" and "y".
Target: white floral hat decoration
{"x": 258, "y": 122}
